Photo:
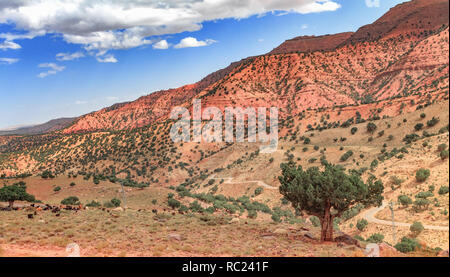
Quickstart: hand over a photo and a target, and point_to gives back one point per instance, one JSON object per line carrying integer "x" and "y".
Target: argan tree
{"x": 328, "y": 193}
{"x": 15, "y": 192}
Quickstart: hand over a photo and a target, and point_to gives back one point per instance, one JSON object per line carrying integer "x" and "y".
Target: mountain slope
{"x": 312, "y": 72}
{"x": 51, "y": 126}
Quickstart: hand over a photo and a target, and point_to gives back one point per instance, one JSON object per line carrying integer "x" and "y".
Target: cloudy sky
{"x": 61, "y": 58}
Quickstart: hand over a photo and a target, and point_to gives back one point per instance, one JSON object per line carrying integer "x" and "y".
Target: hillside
{"x": 313, "y": 72}
{"x": 51, "y": 126}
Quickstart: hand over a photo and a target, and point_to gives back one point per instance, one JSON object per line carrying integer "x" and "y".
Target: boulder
{"x": 234, "y": 220}
{"x": 280, "y": 231}
{"x": 387, "y": 251}
{"x": 346, "y": 239}
{"x": 309, "y": 236}
{"x": 118, "y": 209}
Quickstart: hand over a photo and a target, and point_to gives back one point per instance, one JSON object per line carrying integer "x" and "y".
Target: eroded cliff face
{"x": 312, "y": 43}
{"x": 402, "y": 53}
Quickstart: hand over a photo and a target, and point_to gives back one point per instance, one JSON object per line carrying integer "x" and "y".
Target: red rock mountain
{"x": 312, "y": 43}
{"x": 365, "y": 69}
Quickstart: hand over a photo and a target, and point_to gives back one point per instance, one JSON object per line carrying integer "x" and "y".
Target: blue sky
{"x": 102, "y": 61}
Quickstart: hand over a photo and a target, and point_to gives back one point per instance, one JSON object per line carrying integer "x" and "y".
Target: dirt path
{"x": 369, "y": 215}
{"x": 229, "y": 180}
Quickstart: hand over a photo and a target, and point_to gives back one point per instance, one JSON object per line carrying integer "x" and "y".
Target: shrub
{"x": 72, "y": 184}
{"x": 432, "y": 122}
{"x": 71, "y": 200}
{"x": 418, "y": 126}
{"x": 422, "y": 174}
{"x": 444, "y": 154}
{"x": 396, "y": 181}
{"x": 407, "y": 245}
{"x": 361, "y": 224}
{"x": 371, "y": 127}
{"x": 375, "y": 238}
{"x": 258, "y": 191}
{"x": 196, "y": 207}
{"x": 252, "y": 214}
{"x": 116, "y": 202}
{"x": 421, "y": 204}
{"x": 93, "y": 203}
{"x": 422, "y": 115}
{"x": 108, "y": 204}
{"x": 442, "y": 146}
{"x": 443, "y": 190}
{"x": 404, "y": 200}
{"x": 346, "y": 155}
{"x": 47, "y": 174}
{"x": 276, "y": 217}
{"x": 424, "y": 194}
{"x": 353, "y": 130}
{"x": 416, "y": 228}
{"x": 315, "y": 221}
{"x": 173, "y": 203}
{"x": 56, "y": 189}
{"x": 183, "y": 209}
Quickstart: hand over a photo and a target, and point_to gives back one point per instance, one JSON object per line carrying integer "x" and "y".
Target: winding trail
{"x": 369, "y": 215}
{"x": 229, "y": 180}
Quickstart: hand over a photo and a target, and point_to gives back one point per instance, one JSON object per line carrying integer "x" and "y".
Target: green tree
{"x": 371, "y": 127}
{"x": 328, "y": 193}
{"x": 422, "y": 174}
{"x": 71, "y": 200}
{"x": 404, "y": 200}
{"x": 416, "y": 228}
{"x": 407, "y": 245}
{"x": 15, "y": 192}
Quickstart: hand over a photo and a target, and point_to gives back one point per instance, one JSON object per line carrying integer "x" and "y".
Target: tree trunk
{"x": 11, "y": 203}
{"x": 327, "y": 226}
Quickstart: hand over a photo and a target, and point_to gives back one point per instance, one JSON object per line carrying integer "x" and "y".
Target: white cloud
{"x": 68, "y": 56}
{"x": 29, "y": 35}
{"x": 53, "y": 69}
{"x": 102, "y": 25}
{"x": 260, "y": 40}
{"x": 373, "y": 3}
{"x": 304, "y": 26}
{"x": 193, "y": 42}
{"x": 9, "y": 45}
{"x": 80, "y": 102}
{"x": 107, "y": 59}
{"x": 8, "y": 60}
{"x": 162, "y": 44}
{"x": 112, "y": 98}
